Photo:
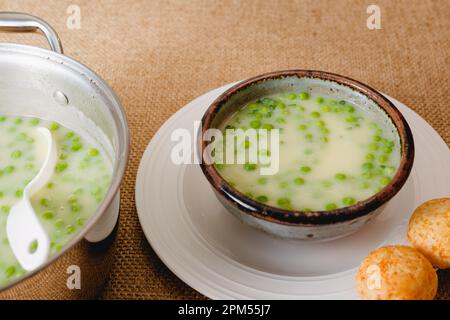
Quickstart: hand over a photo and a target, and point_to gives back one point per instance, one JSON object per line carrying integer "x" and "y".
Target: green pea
{"x": 10, "y": 271}
{"x": 304, "y": 95}
{"x": 255, "y": 124}
{"x": 325, "y": 130}
{"x": 387, "y": 149}
{"x": 370, "y": 157}
{"x": 59, "y": 223}
{"x": 373, "y": 146}
{"x": 29, "y": 166}
{"x": 50, "y": 185}
{"x": 54, "y": 126}
{"x": 63, "y": 156}
{"x": 21, "y": 136}
{"x": 309, "y": 136}
{"x": 350, "y": 119}
{"x": 19, "y": 193}
{"x": 76, "y": 146}
{"x": 378, "y": 172}
{"x": 1, "y": 194}
{"x": 308, "y": 151}
{"x": 70, "y": 229}
{"x": 33, "y": 247}
{"x": 80, "y": 221}
{"x": 75, "y": 207}
{"x": 389, "y": 170}
{"x": 367, "y": 166}
{"x": 267, "y": 126}
{"x": 48, "y": 215}
{"x": 348, "y": 201}
{"x": 70, "y": 135}
{"x": 315, "y": 114}
{"x": 18, "y": 121}
{"x": 385, "y": 180}
{"x": 292, "y": 96}
{"x": 262, "y": 199}
{"x": 305, "y": 169}
{"x": 284, "y": 202}
{"x": 325, "y": 108}
{"x": 350, "y": 109}
{"x": 324, "y": 139}
{"x": 364, "y": 185}
{"x": 299, "y": 181}
{"x": 300, "y": 108}
{"x": 58, "y": 247}
{"x": 249, "y": 166}
{"x": 262, "y": 180}
{"x": 44, "y": 202}
{"x": 330, "y": 206}
{"x": 280, "y": 105}
{"x": 268, "y": 102}
{"x": 382, "y": 159}
{"x": 380, "y": 132}
{"x": 249, "y": 195}
{"x": 72, "y": 199}
{"x": 34, "y": 121}
{"x": 5, "y": 208}
{"x": 367, "y": 175}
{"x": 253, "y": 105}
{"x": 302, "y": 127}
{"x": 320, "y": 100}
{"x": 376, "y": 138}
{"x": 340, "y": 176}
{"x": 10, "y": 169}
{"x": 2, "y": 118}
{"x": 320, "y": 123}
{"x": 61, "y": 166}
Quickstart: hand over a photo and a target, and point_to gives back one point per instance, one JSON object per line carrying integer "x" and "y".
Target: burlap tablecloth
{"x": 159, "y": 55}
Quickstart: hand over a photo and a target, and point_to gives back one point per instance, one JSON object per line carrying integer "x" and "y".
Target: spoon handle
{"x": 27, "y": 238}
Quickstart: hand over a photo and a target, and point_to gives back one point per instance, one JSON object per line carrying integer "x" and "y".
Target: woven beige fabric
{"x": 159, "y": 55}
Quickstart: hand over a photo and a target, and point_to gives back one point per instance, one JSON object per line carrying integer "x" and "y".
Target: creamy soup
{"x": 81, "y": 178}
{"x": 332, "y": 154}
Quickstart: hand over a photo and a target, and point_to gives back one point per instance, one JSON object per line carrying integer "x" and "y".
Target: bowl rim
{"x": 310, "y": 218}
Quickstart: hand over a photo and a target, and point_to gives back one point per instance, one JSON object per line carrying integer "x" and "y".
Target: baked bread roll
{"x": 429, "y": 231}
{"x": 396, "y": 273}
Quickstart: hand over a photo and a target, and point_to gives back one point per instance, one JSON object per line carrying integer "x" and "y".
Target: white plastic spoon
{"x": 23, "y": 229}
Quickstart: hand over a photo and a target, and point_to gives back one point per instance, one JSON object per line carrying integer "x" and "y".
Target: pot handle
{"x": 23, "y": 22}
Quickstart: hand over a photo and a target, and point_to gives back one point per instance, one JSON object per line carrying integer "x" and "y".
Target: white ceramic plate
{"x": 222, "y": 258}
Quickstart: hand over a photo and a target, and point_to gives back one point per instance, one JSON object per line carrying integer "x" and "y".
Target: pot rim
{"x": 310, "y": 218}
{"x": 120, "y": 120}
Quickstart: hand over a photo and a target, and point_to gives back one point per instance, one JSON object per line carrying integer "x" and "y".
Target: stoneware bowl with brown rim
{"x": 301, "y": 224}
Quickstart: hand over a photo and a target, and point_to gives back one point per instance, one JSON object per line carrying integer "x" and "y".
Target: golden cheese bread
{"x": 429, "y": 231}
{"x": 396, "y": 273}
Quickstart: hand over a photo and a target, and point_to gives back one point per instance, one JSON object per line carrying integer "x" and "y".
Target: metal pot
{"x": 46, "y": 84}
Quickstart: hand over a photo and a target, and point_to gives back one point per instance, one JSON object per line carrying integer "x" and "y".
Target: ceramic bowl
{"x": 306, "y": 224}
